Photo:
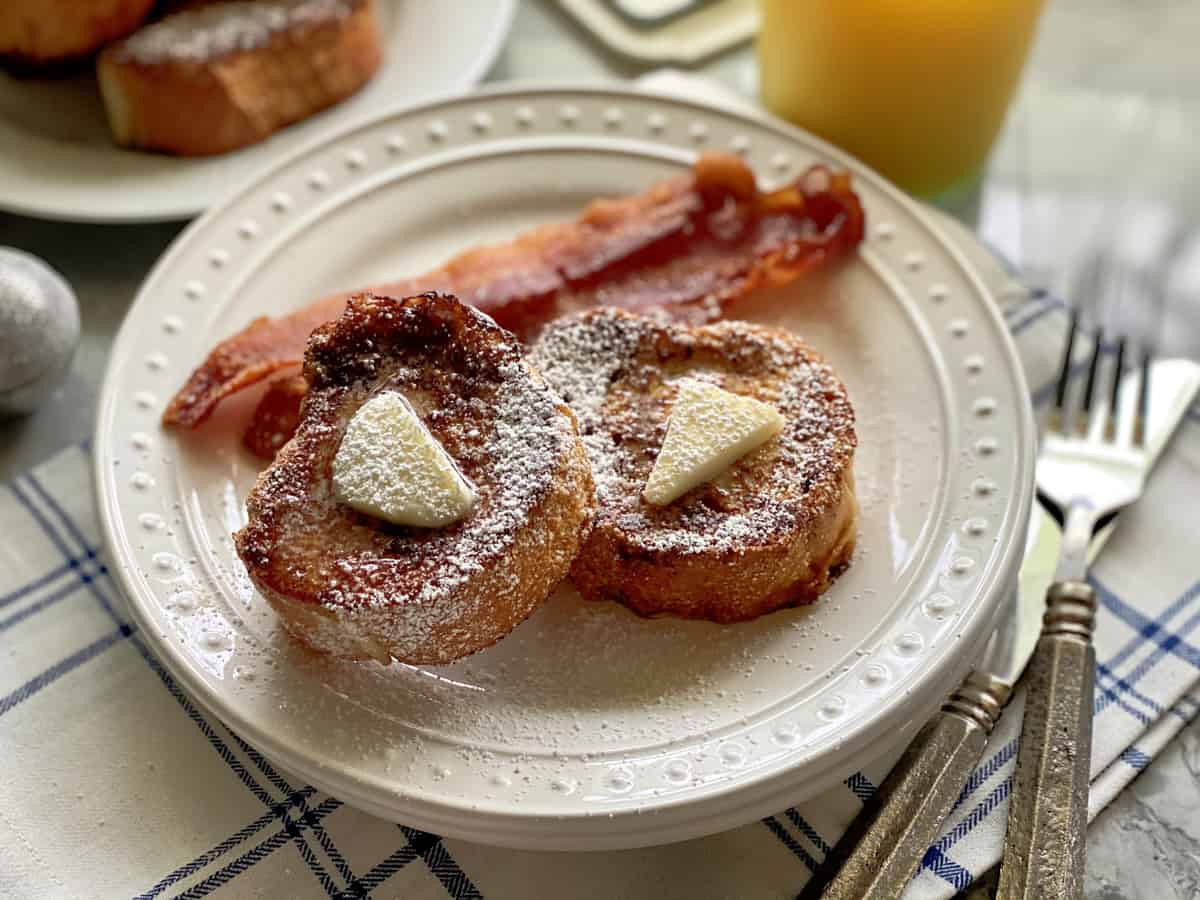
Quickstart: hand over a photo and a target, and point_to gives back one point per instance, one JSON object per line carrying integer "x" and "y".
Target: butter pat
{"x": 709, "y": 430}
{"x": 390, "y": 466}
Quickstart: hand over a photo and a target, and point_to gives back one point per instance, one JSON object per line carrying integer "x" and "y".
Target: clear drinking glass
{"x": 917, "y": 89}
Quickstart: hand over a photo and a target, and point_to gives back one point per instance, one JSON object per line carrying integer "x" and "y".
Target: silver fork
{"x": 1092, "y": 463}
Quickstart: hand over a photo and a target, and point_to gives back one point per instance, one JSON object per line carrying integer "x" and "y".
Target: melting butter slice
{"x": 390, "y": 466}
{"x": 709, "y": 430}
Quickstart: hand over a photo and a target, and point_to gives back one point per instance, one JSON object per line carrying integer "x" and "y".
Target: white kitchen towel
{"x": 117, "y": 785}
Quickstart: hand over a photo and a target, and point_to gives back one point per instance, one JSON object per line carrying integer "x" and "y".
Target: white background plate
{"x": 587, "y": 727}
{"x": 59, "y": 161}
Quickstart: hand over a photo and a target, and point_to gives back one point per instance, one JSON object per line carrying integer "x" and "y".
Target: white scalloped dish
{"x": 60, "y": 162}
{"x": 587, "y": 728}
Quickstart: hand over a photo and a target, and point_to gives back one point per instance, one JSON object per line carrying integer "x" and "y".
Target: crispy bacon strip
{"x": 277, "y": 415}
{"x": 690, "y": 245}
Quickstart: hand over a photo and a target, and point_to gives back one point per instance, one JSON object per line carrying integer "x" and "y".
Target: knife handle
{"x": 1047, "y": 817}
{"x": 879, "y": 853}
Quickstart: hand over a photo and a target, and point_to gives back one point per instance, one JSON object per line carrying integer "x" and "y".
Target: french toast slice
{"x": 771, "y": 531}
{"x": 224, "y": 75}
{"x": 358, "y": 587}
{"x": 51, "y": 36}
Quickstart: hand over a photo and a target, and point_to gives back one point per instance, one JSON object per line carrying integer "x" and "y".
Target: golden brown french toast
{"x": 40, "y": 35}
{"x": 223, "y": 75}
{"x": 771, "y": 531}
{"x": 355, "y": 586}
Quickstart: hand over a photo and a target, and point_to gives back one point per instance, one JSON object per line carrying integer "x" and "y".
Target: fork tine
{"x": 1143, "y": 407}
{"x": 1058, "y": 412}
{"x": 1089, "y": 391}
{"x": 1114, "y": 408}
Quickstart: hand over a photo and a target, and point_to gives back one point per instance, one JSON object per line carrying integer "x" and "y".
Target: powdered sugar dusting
{"x": 421, "y": 589}
{"x": 524, "y": 447}
{"x": 708, "y": 430}
{"x": 388, "y": 465}
{"x": 620, "y": 374}
{"x": 579, "y": 357}
{"x": 201, "y": 34}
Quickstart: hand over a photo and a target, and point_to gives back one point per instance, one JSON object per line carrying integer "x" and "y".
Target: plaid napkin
{"x": 119, "y": 786}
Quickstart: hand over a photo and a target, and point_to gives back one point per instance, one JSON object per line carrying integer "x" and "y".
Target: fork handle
{"x": 1047, "y": 817}
{"x": 881, "y": 850}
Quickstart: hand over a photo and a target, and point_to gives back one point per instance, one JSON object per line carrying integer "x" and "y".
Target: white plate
{"x": 587, "y": 727}
{"x": 58, "y": 161}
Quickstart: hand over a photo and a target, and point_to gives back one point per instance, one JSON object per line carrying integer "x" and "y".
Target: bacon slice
{"x": 690, "y": 245}
{"x": 277, "y": 415}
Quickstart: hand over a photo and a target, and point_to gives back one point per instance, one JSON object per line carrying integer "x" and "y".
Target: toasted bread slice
{"x": 224, "y": 75}
{"x": 41, "y": 35}
{"x": 357, "y": 587}
{"x": 771, "y": 531}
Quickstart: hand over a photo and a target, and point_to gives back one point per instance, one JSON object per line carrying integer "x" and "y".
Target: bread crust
{"x": 194, "y": 103}
{"x": 356, "y": 587}
{"x": 42, "y": 36}
{"x": 772, "y": 531}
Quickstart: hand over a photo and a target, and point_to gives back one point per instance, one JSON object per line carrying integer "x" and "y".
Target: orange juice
{"x": 915, "y": 88}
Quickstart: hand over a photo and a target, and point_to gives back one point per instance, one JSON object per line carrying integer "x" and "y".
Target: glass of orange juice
{"x": 917, "y": 89}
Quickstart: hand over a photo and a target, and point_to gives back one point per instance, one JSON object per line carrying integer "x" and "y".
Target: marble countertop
{"x": 1097, "y": 159}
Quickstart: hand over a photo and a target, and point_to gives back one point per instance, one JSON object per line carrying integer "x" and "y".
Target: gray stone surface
{"x": 1098, "y": 158}
{"x": 1146, "y": 844}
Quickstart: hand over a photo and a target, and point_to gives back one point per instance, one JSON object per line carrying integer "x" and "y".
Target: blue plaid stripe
{"x": 211, "y": 882}
{"x": 319, "y": 832}
{"x": 44, "y": 603}
{"x": 1032, "y": 298}
{"x": 210, "y": 733}
{"x": 808, "y": 831}
{"x": 981, "y": 811}
{"x": 304, "y": 848}
{"x": 944, "y": 867}
{"x": 442, "y": 864}
{"x": 84, "y": 566}
{"x": 1187, "y": 706}
{"x": 222, "y": 848}
{"x": 74, "y": 534}
{"x": 1044, "y": 306}
{"x": 280, "y": 811}
{"x": 1018, "y": 310}
{"x": 382, "y": 871}
{"x": 1185, "y": 709}
{"x": 62, "y": 543}
{"x": 1162, "y": 648}
{"x": 331, "y": 851}
{"x": 1149, "y": 629}
{"x": 29, "y": 589}
{"x": 1134, "y": 758}
{"x": 1110, "y": 695}
{"x": 860, "y": 786}
{"x": 75, "y": 562}
{"x": 1177, "y": 606}
{"x": 790, "y": 842}
{"x": 984, "y": 772}
{"x": 937, "y": 863}
{"x": 61, "y": 668}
